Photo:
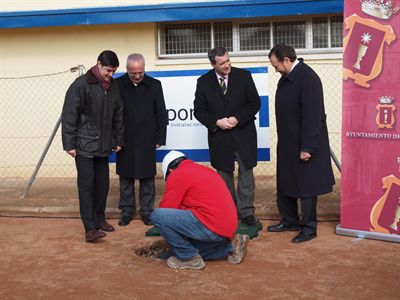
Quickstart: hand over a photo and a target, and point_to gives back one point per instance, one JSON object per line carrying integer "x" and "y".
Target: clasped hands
{"x": 227, "y": 123}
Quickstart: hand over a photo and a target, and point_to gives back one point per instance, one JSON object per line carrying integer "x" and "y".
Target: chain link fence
{"x": 328, "y": 205}
{"x": 31, "y": 106}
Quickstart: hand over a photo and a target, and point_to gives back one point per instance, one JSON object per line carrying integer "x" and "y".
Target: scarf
{"x": 105, "y": 84}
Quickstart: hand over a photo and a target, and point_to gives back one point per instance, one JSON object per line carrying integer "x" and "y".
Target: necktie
{"x": 223, "y": 85}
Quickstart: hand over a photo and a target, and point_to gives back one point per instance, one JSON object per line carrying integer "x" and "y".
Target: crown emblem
{"x": 386, "y": 100}
{"x": 379, "y": 8}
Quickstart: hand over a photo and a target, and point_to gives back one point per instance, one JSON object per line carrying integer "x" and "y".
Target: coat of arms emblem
{"x": 385, "y": 215}
{"x": 364, "y": 43}
{"x": 385, "y": 117}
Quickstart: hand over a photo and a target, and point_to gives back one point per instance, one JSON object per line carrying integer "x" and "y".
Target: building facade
{"x": 46, "y": 37}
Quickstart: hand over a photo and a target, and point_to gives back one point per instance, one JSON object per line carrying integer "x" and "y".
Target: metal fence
{"x": 331, "y": 77}
{"x": 31, "y": 106}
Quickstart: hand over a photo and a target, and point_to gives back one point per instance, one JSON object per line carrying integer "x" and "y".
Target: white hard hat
{"x": 169, "y": 158}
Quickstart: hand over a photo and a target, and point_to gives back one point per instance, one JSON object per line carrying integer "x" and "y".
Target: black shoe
{"x": 281, "y": 227}
{"x": 124, "y": 221}
{"x": 252, "y": 221}
{"x": 147, "y": 221}
{"x": 302, "y": 237}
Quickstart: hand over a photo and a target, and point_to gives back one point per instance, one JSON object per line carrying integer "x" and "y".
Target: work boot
{"x": 94, "y": 234}
{"x": 195, "y": 263}
{"x": 239, "y": 244}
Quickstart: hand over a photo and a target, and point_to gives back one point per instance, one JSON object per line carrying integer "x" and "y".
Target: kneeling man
{"x": 197, "y": 215}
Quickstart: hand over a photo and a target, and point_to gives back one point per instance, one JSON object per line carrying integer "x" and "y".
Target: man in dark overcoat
{"x": 146, "y": 126}
{"x": 304, "y": 170}
{"x": 226, "y": 102}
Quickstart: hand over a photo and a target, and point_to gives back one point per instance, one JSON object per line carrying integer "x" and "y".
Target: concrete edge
{"x": 47, "y": 210}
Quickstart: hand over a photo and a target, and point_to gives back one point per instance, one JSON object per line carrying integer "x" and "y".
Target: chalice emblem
{"x": 362, "y": 49}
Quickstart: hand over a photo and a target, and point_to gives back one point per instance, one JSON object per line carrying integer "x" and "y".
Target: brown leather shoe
{"x": 106, "y": 227}
{"x": 94, "y": 234}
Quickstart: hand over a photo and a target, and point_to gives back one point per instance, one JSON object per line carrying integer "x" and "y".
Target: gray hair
{"x": 135, "y": 57}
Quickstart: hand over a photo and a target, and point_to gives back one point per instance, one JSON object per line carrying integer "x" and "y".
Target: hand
{"x": 117, "y": 148}
{"x": 233, "y": 121}
{"x": 72, "y": 152}
{"x": 158, "y": 146}
{"x": 224, "y": 124}
{"x": 305, "y": 156}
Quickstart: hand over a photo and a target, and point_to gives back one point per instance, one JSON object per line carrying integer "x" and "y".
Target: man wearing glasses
{"x": 146, "y": 122}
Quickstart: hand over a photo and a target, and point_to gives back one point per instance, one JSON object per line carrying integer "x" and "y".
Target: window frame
{"x": 236, "y": 39}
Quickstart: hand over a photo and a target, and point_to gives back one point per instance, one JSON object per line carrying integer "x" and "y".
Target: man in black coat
{"x": 91, "y": 128}
{"x": 146, "y": 122}
{"x": 304, "y": 169}
{"x": 226, "y": 102}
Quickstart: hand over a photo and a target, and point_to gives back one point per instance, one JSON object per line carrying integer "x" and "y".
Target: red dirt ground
{"x": 46, "y": 258}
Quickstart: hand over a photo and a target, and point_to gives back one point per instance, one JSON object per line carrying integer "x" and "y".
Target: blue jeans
{"x": 187, "y": 236}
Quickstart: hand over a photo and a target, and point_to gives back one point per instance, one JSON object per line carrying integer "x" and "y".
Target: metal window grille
{"x": 223, "y": 35}
{"x": 320, "y": 32}
{"x": 291, "y": 33}
{"x": 197, "y": 38}
{"x": 336, "y": 27}
{"x": 254, "y": 36}
{"x": 186, "y": 38}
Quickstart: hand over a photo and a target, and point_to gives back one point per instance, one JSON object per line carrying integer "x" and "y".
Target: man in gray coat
{"x": 146, "y": 121}
{"x": 304, "y": 169}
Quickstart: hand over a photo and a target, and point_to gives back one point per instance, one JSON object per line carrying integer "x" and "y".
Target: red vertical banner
{"x": 370, "y": 186}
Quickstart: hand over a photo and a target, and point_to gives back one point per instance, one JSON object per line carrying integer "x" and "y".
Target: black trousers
{"x": 93, "y": 186}
{"x": 289, "y": 212}
{"x": 244, "y": 198}
{"x": 127, "y": 201}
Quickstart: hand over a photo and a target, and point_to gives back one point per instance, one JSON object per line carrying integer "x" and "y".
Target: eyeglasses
{"x": 136, "y": 73}
{"x": 109, "y": 70}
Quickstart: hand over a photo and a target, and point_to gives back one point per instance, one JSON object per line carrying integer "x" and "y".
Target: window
{"x": 254, "y": 36}
{"x": 186, "y": 38}
{"x": 336, "y": 31}
{"x": 290, "y": 33}
{"x": 223, "y": 35}
{"x": 239, "y": 36}
{"x": 320, "y": 32}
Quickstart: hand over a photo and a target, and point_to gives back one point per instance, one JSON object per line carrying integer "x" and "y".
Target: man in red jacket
{"x": 197, "y": 215}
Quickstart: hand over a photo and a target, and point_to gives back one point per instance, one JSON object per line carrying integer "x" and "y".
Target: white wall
{"x": 30, "y": 107}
